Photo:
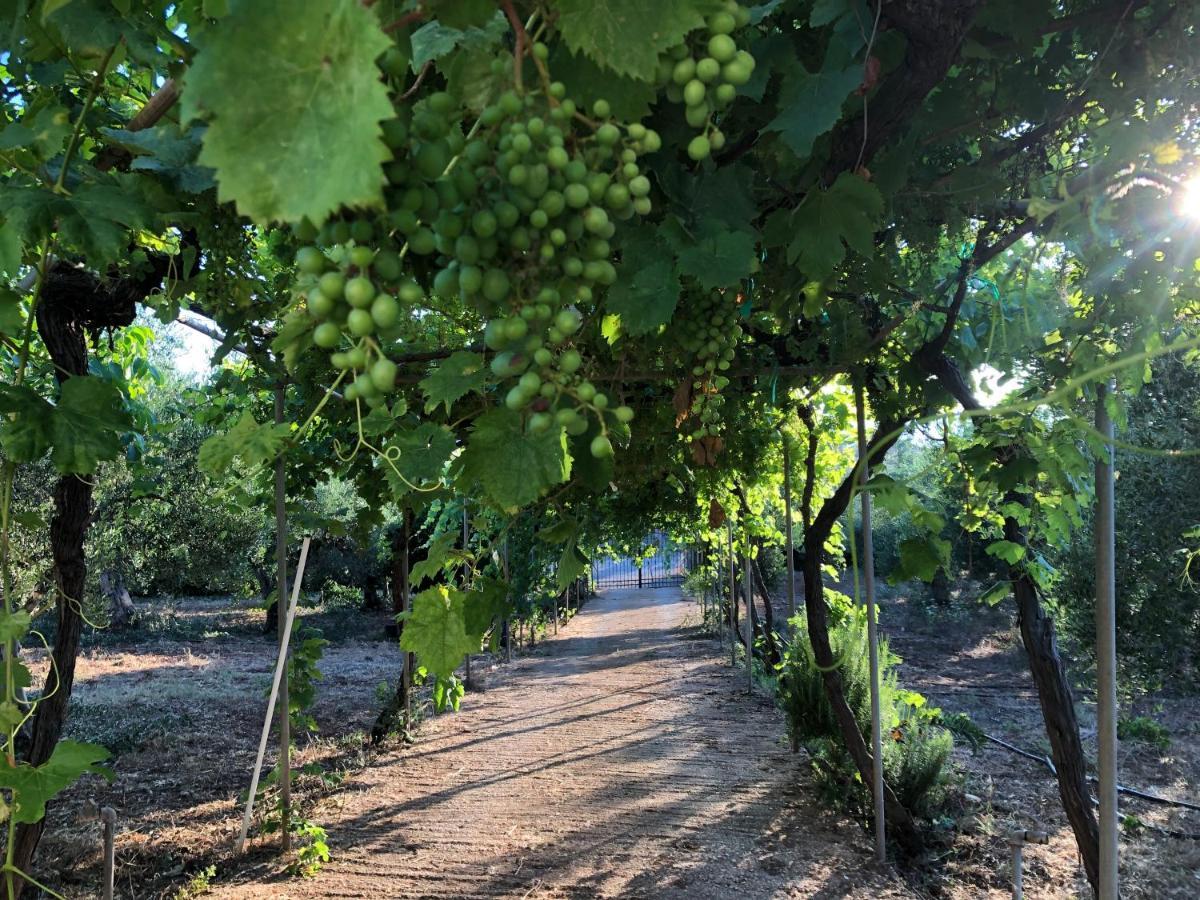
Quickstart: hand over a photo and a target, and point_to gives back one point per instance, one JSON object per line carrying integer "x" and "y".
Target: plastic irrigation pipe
{"x": 868, "y": 566}
{"x": 279, "y": 664}
{"x": 1106, "y": 652}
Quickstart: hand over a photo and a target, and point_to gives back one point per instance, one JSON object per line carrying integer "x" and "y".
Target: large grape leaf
{"x": 87, "y": 425}
{"x": 417, "y": 456}
{"x": 435, "y": 630}
{"x": 626, "y": 36}
{"x": 849, "y": 211}
{"x": 437, "y": 39}
{"x": 486, "y": 602}
{"x": 810, "y": 103}
{"x": 254, "y": 443}
{"x": 25, "y": 420}
{"x": 647, "y": 290}
{"x": 458, "y": 375}
{"x": 295, "y": 101}
{"x": 96, "y": 220}
{"x": 32, "y": 786}
{"x": 716, "y": 257}
{"x": 513, "y": 467}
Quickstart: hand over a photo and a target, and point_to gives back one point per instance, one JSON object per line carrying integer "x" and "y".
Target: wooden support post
{"x": 506, "y": 626}
{"x": 787, "y": 527}
{"x": 108, "y": 817}
{"x": 868, "y": 566}
{"x": 749, "y": 623}
{"x": 1106, "y": 652}
{"x": 285, "y": 735}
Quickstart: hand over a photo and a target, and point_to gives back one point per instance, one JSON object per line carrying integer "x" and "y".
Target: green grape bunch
{"x": 708, "y": 340}
{"x": 512, "y": 215}
{"x": 704, "y": 73}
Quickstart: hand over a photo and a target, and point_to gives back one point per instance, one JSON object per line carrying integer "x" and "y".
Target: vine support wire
{"x": 732, "y": 595}
{"x": 280, "y": 665}
{"x": 787, "y": 527}
{"x": 1106, "y": 650}
{"x": 281, "y": 538}
{"x": 868, "y": 567}
{"x": 749, "y": 623}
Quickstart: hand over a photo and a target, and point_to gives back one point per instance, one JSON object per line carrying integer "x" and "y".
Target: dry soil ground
{"x": 620, "y": 759}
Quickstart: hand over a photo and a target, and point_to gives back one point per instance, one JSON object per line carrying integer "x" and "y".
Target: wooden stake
{"x": 749, "y": 623}
{"x": 868, "y": 566}
{"x": 732, "y": 595}
{"x": 466, "y": 537}
{"x": 408, "y": 664}
{"x": 280, "y": 666}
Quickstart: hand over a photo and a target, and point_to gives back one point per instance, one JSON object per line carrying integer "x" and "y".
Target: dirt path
{"x": 622, "y": 760}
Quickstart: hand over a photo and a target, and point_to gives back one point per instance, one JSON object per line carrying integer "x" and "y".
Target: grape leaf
{"x": 810, "y": 104}
{"x": 458, "y": 375}
{"x": 486, "y": 602}
{"x": 571, "y": 564}
{"x": 254, "y": 443}
{"x": 628, "y": 98}
{"x": 441, "y": 549}
{"x": 10, "y": 250}
{"x": 32, "y": 786}
{"x": 95, "y": 220}
{"x": 718, "y": 257}
{"x": 87, "y": 425}
{"x": 647, "y": 288}
{"x": 920, "y": 558}
{"x": 513, "y": 467}
{"x": 461, "y": 13}
{"x": 169, "y": 151}
{"x": 436, "y": 632}
{"x": 626, "y": 36}
{"x": 317, "y": 96}
{"x": 1010, "y": 552}
{"x": 25, "y": 433}
{"x": 848, "y": 212}
{"x": 437, "y": 39}
{"x": 420, "y": 455}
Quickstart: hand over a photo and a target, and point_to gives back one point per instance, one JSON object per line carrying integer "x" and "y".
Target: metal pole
{"x": 749, "y": 626}
{"x": 1018, "y": 887}
{"x": 732, "y": 596}
{"x": 787, "y": 526}
{"x": 408, "y": 665}
{"x": 505, "y": 626}
{"x": 868, "y": 565}
{"x": 285, "y": 736}
{"x": 466, "y": 538}
{"x": 1106, "y": 652}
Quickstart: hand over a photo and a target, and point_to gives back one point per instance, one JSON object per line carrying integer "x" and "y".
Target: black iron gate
{"x": 665, "y": 567}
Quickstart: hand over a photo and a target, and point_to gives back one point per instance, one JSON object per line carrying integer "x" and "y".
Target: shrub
{"x": 915, "y": 746}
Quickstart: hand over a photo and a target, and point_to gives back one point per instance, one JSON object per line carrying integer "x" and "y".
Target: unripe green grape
{"x": 684, "y": 71}
{"x": 577, "y": 427}
{"x": 570, "y": 361}
{"x": 470, "y": 279}
{"x": 340, "y": 361}
{"x": 350, "y": 393}
{"x": 540, "y": 422}
{"x": 332, "y": 285}
{"x": 515, "y": 328}
{"x": 327, "y": 335}
{"x": 387, "y": 265}
{"x": 674, "y": 93}
{"x": 652, "y": 142}
{"x": 385, "y": 310}
{"x": 543, "y": 312}
{"x": 516, "y": 399}
{"x": 697, "y": 116}
{"x": 310, "y": 260}
{"x": 716, "y": 139}
{"x": 566, "y": 416}
{"x": 608, "y": 134}
{"x": 601, "y": 109}
{"x": 554, "y": 336}
{"x": 601, "y": 447}
{"x": 320, "y": 305}
{"x": 722, "y": 48}
{"x": 595, "y": 219}
{"x": 357, "y": 357}
{"x": 693, "y": 92}
{"x": 364, "y": 387}
{"x": 642, "y": 206}
{"x": 725, "y": 94}
{"x": 568, "y": 321}
{"x": 495, "y": 285}
{"x": 410, "y": 292}
{"x": 383, "y": 375}
{"x": 484, "y": 223}
{"x": 699, "y": 148}
{"x": 530, "y": 382}
{"x": 636, "y": 131}
{"x": 543, "y": 357}
{"x": 600, "y": 401}
{"x": 576, "y": 195}
{"x": 708, "y": 70}
{"x": 360, "y": 323}
{"x": 616, "y": 196}
{"x": 721, "y": 23}
{"x": 422, "y": 242}
{"x": 361, "y": 231}
{"x": 359, "y": 292}
{"x": 538, "y": 219}
{"x": 624, "y": 414}
{"x": 494, "y": 336}
{"x": 586, "y": 391}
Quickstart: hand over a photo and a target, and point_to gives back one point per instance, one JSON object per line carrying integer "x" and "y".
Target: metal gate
{"x": 666, "y": 567}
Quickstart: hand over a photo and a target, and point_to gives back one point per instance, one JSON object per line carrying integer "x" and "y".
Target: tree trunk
{"x": 770, "y": 644}
{"x": 371, "y": 600}
{"x": 64, "y": 339}
{"x": 900, "y": 820}
{"x": 121, "y": 609}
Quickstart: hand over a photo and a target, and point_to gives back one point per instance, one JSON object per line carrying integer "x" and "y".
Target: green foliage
{"x": 436, "y": 630}
{"x": 316, "y": 96}
{"x": 32, "y": 786}
{"x": 916, "y": 745}
{"x": 513, "y": 467}
{"x": 1145, "y": 730}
